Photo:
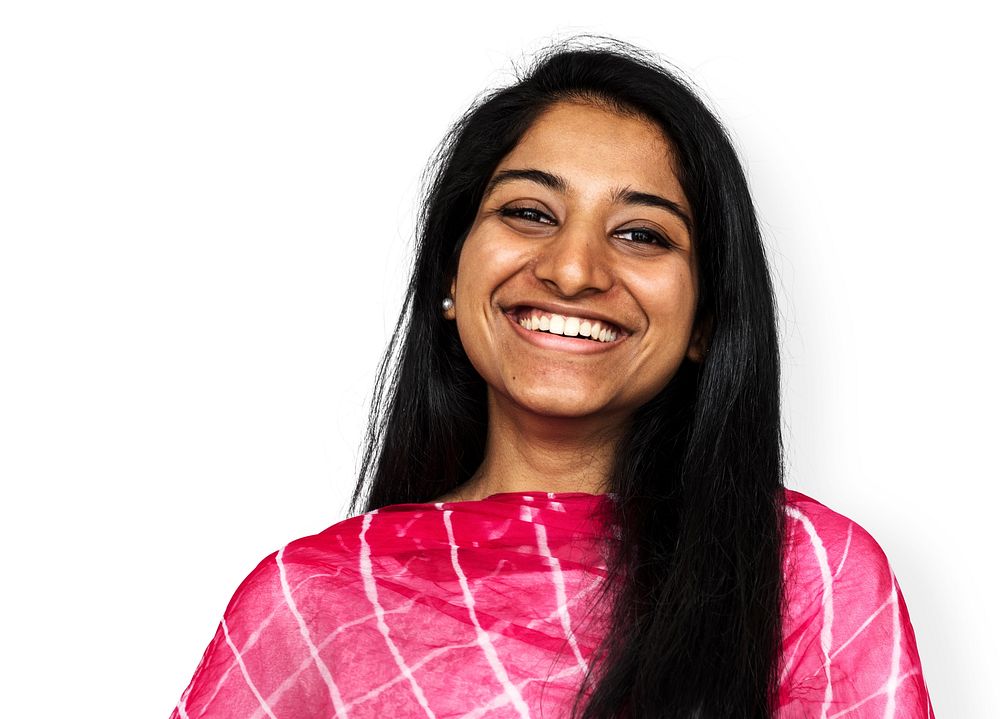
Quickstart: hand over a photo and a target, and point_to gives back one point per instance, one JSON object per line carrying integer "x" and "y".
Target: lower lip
{"x": 561, "y": 342}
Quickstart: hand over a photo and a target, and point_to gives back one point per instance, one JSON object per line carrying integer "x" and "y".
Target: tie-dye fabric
{"x": 485, "y": 609}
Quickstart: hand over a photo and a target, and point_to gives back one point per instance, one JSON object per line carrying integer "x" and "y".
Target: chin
{"x": 549, "y": 402}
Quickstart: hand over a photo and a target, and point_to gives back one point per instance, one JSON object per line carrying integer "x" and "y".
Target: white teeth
{"x": 568, "y": 326}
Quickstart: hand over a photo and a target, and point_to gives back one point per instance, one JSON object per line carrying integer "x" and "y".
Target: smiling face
{"x": 583, "y": 230}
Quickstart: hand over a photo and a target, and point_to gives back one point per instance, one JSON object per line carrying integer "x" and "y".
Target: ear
{"x": 450, "y": 313}
{"x": 700, "y": 335}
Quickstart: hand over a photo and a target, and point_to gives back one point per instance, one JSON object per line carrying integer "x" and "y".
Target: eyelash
{"x": 657, "y": 238}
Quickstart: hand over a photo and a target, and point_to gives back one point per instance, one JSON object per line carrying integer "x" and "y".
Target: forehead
{"x": 594, "y": 148}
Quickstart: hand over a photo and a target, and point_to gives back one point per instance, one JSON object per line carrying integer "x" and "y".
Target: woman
{"x": 573, "y": 472}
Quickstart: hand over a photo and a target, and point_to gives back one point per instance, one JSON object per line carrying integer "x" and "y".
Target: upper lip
{"x": 566, "y": 311}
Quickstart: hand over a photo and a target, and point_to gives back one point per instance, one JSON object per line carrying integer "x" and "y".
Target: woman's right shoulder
{"x": 310, "y": 572}
{"x": 319, "y": 558}
{"x": 288, "y": 608}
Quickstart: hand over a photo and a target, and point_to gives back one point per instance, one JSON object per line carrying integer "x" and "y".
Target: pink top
{"x": 477, "y": 609}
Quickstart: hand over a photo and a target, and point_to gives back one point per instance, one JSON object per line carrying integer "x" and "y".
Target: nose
{"x": 574, "y": 261}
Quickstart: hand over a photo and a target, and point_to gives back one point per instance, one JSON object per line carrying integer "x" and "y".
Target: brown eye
{"x": 526, "y": 213}
{"x": 644, "y": 236}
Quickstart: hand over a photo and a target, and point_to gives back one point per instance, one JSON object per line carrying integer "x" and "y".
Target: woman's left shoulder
{"x": 848, "y": 642}
{"x": 830, "y": 557}
{"x": 831, "y": 542}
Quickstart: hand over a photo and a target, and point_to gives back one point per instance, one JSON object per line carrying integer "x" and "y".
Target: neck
{"x": 526, "y": 452}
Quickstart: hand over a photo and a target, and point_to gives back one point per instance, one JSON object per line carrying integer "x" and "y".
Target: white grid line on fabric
{"x": 826, "y": 632}
{"x": 847, "y": 546}
{"x": 246, "y": 673}
{"x": 483, "y": 637}
{"x": 251, "y": 640}
{"x": 429, "y": 656}
{"x": 560, "y": 586}
{"x": 555, "y": 612}
{"x": 503, "y": 699}
{"x": 864, "y": 625}
{"x": 868, "y": 698}
{"x": 897, "y": 640}
{"x": 371, "y": 591}
{"x": 321, "y": 666}
{"x": 290, "y": 680}
{"x": 288, "y": 590}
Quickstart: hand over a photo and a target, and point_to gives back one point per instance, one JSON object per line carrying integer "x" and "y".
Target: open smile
{"x": 567, "y": 332}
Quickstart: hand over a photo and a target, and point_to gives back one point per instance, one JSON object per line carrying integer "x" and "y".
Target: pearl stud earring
{"x": 447, "y": 303}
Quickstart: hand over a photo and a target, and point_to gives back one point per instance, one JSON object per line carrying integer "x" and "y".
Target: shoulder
{"x": 284, "y": 612}
{"x": 823, "y": 542}
{"x": 847, "y": 638}
{"x": 836, "y": 573}
{"x": 321, "y": 559}
{"x": 312, "y": 573}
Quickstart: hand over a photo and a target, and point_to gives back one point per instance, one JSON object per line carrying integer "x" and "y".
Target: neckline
{"x": 534, "y": 494}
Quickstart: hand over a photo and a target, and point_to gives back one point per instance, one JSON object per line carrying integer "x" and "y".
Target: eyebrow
{"x": 621, "y": 195}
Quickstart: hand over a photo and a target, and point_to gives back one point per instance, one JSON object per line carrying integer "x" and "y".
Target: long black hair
{"x": 697, "y": 481}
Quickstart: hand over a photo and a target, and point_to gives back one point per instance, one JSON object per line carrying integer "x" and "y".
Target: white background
{"x": 205, "y": 214}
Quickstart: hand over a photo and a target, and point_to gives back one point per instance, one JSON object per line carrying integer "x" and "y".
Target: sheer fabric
{"x": 486, "y": 608}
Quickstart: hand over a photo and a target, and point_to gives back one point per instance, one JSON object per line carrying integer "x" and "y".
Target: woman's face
{"x": 583, "y": 230}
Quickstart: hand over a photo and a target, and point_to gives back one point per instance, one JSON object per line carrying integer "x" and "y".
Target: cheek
{"x": 669, "y": 298}
{"x": 488, "y": 259}
{"x": 484, "y": 265}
